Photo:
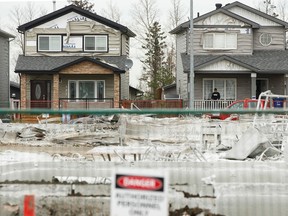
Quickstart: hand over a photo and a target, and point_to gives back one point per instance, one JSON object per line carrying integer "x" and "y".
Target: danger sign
{"x": 139, "y": 193}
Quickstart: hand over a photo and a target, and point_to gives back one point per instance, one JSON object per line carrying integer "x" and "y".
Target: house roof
{"x": 136, "y": 89}
{"x": 272, "y": 61}
{"x": 226, "y": 11}
{"x": 73, "y": 8}
{"x": 6, "y": 34}
{"x": 173, "y": 85}
{"x": 53, "y": 64}
{"x": 14, "y": 84}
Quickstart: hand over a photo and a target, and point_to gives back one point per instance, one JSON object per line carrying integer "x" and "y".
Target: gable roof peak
{"x": 73, "y": 8}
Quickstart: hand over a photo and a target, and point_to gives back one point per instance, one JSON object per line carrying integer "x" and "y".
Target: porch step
{"x": 35, "y": 119}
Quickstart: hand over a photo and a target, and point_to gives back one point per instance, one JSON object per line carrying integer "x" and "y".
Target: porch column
{"x": 55, "y": 92}
{"x": 23, "y": 91}
{"x": 286, "y": 84}
{"x": 253, "y": 85}
{"x": 116, "y": 90}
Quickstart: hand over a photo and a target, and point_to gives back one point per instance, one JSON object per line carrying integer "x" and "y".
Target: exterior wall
{"x": 63, "y": 86}
{"x": 23, "y": 90}
{"x": 242, "y": 81}
{"x": 4, "y": 72}
{"x": 90, "y": 71}
{"x": 253, "y": 17}
{"x": 244, "y": 41}
{"x": 181, "y": 78}
{"x": 125, "y": 49}
{"x": 116, "y": 90}
{"x": 114, "y": 43}
{"x": 278, "y": 38}
{"x": 55, "y": 91}
{"x": 86, "y": 67}
{"x": 276, "y": 82}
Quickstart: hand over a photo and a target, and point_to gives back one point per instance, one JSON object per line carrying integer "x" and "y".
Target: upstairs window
{"x": 49, "y": 43}
{"x": 220, "y": 41}
{"x": 96, "y": 43}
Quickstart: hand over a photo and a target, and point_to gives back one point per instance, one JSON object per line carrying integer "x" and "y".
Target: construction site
{"x": 212, "y": 167}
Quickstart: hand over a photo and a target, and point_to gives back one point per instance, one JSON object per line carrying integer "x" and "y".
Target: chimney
{"x": 218, "y": 5}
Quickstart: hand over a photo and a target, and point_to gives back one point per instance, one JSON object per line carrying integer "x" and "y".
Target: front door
{"x": 261, "y": 86}
{"x": 40, "y": 94}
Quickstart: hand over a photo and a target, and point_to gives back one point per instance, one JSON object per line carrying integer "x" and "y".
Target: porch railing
{"x": 85, "y": 103}
{"x": 211, "y": 104}
{"x": 106, "y": 103}
{"x": 153, "y": 104}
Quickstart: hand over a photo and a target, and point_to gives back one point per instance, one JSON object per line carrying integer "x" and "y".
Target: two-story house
{"x": 237, "y": 49}
{"x": 73, "y": 59}
{"x": 5, "y": 39}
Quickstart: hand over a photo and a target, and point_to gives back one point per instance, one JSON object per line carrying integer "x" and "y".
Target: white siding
{"x": 181, "y": 77}
{"x": 4, "y": 72}
{"x": 223, "y": 65}
{"x": 253, "y": 17}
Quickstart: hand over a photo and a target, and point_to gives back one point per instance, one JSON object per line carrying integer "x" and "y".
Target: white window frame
{"x": 96, "y": 36}
{"x": 222, "y": 92}
{"x": 263, "y": 41}
{"x": 95, "y": 89}
{"x": 225, "y": 37}
{"x": 59, "y": 49}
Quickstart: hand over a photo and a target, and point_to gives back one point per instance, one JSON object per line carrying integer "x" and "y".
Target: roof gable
{"x": 223, "y": 17}
{"x": 254, "y": 14}
{"x": 85, "y": 15}
{"x": 237, "y": 11}
{"x": 97, "y": 61}
{"x": 222, "y": 63}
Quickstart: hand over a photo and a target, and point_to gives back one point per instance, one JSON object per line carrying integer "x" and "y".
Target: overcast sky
{"x": 201, "y": 6}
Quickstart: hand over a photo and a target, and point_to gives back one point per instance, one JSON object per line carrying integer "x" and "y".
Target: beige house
{"x": 237, "y": 49}
{"x": 73, "y": 59}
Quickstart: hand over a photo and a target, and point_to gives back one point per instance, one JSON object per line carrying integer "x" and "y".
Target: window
{"x": 220, "y": 41}
{"x": 96, "y": 43}
{"x": 226, "y": 88}
{"x": 49, "y": 43}
{"x": 86, "y": 89}
{"x": 265, "y": 39}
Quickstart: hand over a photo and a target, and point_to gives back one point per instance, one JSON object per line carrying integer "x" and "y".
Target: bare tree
{"x": 19, "y": 16}
{"x": 282, "y": 9}
{"x": 84, "y": 4}
{"x": 144, "y": 14}
{"x": 112, "y": 12}
{"x": 177, "y": 13}
{"x": 267, "y": 6}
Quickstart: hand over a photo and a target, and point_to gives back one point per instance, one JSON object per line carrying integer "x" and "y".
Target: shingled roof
{"x": 272, "y": 61}
{"x": 53, "y": 64}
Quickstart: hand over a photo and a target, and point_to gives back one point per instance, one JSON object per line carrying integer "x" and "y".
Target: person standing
{"x": 215, "y": 95}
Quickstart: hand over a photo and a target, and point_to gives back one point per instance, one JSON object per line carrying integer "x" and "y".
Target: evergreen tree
{"x": 157, "y": 72}
{"x": 84, "y": 4}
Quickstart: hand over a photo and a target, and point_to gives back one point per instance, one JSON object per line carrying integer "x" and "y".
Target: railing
{"x": 152, "y": 104}
{"x": 211, "y": 104}
{"x": 86, "y": 103}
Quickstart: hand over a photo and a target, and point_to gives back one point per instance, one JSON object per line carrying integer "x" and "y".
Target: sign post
{"x": 139, "y": 193}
